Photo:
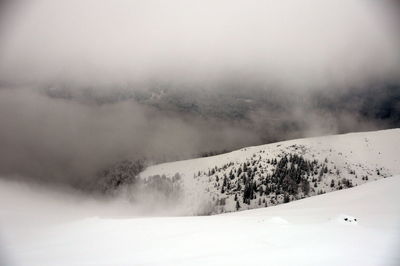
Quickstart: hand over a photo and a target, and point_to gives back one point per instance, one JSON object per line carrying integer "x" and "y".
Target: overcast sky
{"x": 309, "y": 43}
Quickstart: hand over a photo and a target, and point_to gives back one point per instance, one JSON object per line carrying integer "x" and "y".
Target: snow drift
{"x": 305, "y": 232}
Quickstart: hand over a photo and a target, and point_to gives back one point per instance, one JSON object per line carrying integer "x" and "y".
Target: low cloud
{"x": 66, "y": 141}
{"x": 63, "y": 65}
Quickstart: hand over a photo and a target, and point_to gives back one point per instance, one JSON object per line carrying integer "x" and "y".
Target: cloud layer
{"x": 201, "y": 48}
{"x": 295, "y": 43}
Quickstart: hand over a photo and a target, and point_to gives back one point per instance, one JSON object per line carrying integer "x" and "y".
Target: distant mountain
{"x": 272, "y": 113}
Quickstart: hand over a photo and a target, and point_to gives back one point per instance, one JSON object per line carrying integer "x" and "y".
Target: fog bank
{"x": 85, "y": 83}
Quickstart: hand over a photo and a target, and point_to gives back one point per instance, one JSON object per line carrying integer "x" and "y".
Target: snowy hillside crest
{"x": 278, "y": 173}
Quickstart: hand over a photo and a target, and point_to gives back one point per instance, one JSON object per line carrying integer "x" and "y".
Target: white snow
{"x": 354, "y": 155}
{"x": 311, "y": 231}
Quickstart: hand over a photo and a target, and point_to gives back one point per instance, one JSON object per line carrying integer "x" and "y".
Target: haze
{"x": 220, "y": 75}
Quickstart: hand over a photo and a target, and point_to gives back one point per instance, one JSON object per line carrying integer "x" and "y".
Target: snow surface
{"x": 312, "y": 231}
{"x": 354, "y": 155}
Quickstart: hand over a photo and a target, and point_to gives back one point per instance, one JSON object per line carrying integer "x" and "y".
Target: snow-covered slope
{"x": 271, "y": 174}
{"x": 356, "y": 226}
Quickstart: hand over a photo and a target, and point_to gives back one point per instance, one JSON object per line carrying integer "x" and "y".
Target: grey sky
{"x": 309, "y": 43}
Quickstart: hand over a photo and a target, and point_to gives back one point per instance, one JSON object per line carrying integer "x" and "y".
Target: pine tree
{"x": 231, "y": 175}
{"x": 305, "y": 186}
{"x": 261, "y": 190}
{"x": 286, "y": 198}
{"x": 237, "y": 205}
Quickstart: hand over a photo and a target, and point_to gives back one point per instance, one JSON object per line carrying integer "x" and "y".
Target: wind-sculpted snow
{"x": 309, "y": 232}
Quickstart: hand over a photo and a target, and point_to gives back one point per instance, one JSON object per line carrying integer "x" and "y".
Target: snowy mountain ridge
{"x": 272, "y": 174}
